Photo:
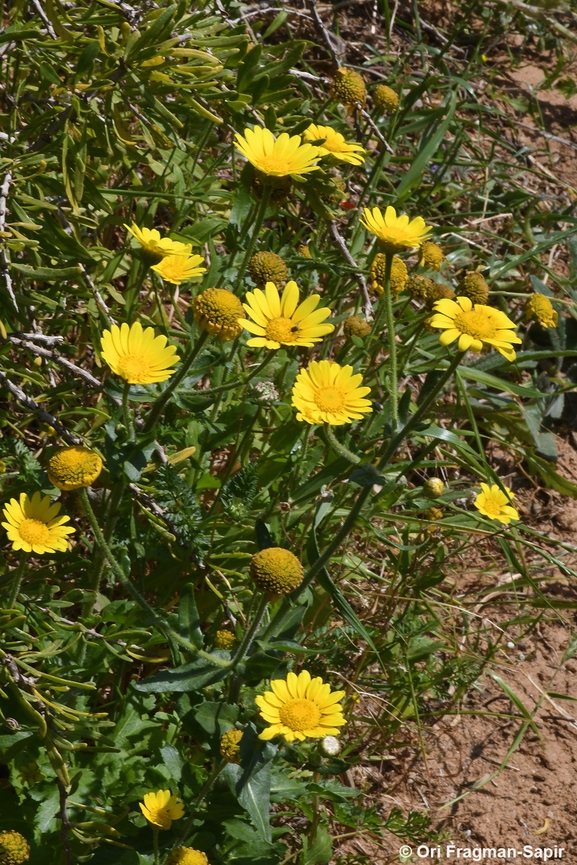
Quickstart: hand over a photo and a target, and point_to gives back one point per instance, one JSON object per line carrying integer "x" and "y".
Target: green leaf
{"x": 367, "y": 475}
{"x": 47, "y": 273}
{"x": 216, "y": 718}
{"x": 429, "y": 144}
{"x": 188, "y": 677}
{"x": 551, "y": 477}
{"x": 320, "y": 851}
{"x": 188, "y": 618}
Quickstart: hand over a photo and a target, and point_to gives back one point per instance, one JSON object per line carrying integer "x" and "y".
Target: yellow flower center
{"x": 273, "y": 164}
{"x": 330, "y": 399}
{"x": 134, "y": 367}
{"x": 34, "y": 531}
{"x": 492, "y": 506}
{"x": 162, "y": 818}
{"x": 300, "y": 715}
{"x": 282, "y": 330}
{"x": 173, "y": 269}
{"x": 476, "y": 323}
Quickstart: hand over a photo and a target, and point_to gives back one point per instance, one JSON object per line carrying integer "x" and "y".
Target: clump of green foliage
{"x": 111, "y": 682}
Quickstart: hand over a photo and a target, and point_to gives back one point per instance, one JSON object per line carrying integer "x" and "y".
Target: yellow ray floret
{"x": 151, "y": 241}
{"x": 33, "y": 524}
{"x": 300, "y": 707}
{"x": 492, "y": 502}
{"x": 179, "y": 268}
{"x": 161, "y": 808}
{"x": 396, "y": 232}
{"x": 328, "y": 393}
{"x": 332, "y": 143}
{"x": 137, "y": 355}
{"x": 278, "y": 157}
{"x": 282, "y": 320}
{"x": 474, "y": 325}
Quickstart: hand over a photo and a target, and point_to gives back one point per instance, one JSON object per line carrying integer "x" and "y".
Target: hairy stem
{"x": 337, "y": 447}
{"x": 160, "y": 403}
{"x": 258, "y": 219}
{"x": 17, "y": 581}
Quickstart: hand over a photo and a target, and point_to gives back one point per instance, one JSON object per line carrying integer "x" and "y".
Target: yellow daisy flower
{"x": 299, "y": 707}
{"x": 161, "y": 808}
{"x": 332, "y": 143}
{"x": 281, "y": 320}
{"x": 492, "y": 502}
{"x": 187, "y": 856}
{"x": 14, "y": 848}
{"x": 277, "y": 157}
{"x": 179, "y": 268}
{"x": 539, "y": 308}
{"x": 328, "y": 393}
{"x": 33, "y": 524}
{"x": 396, "y": 232}
{"x": 151, "y": 241}
{"x": 74, "y": 467}
{"x": 137, "y": 355}
{"x": 474, "y": 325}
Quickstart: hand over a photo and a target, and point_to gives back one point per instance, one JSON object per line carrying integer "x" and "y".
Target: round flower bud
{"x": 399, "y": 274}
{"x": 431, "y": 255}
{"x": 356, "y": 326}
{"x": 474, "y": 286}
{"x": 14, "y": 848}
{"x": 74, "y": 467}
{"x": 330, "y": 746}
{"x": 304, "y": 250}
{"x": 439, "y": 290}
{"x": 385, "y": 98}
{"x": 217, "y": 311}
{"x": 349, "y": 87}
{"x": 224, "y": 639}
{"x": 276, "y": 570}
{"x": 419, "y": 287}
{"x": 434, "y": 513}
{"x": 540, "y": 309}
{"x": 230, "y": 745}
{"x": 434, "y": 488}
{"x": 187, "y": 856}
{"x": 267, "y": 267}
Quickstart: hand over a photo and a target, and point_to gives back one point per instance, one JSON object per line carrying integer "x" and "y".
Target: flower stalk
{"x": 17, "y": 581}
{"x": 258, "y": 220}
{"x": 176, "y": 379}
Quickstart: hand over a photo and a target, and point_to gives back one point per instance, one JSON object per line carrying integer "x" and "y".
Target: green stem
{"x": 239, "y": 382}
{"x": 363, "y": 496}
{"x": 100, "y": 559}
{"x": 121, "y": 576}
{"x": 339, "y": 448}
{"x": 155, "y": 841}
{"x": 251, "y": 632}
{"x": 258, "y": 219}
{"x": 17, "y": 583}
{"x": 206, "y": 787}
{"x": 394, "y": 396}
{"x": 158, "y": 406}
{"x": 128, "y": 419}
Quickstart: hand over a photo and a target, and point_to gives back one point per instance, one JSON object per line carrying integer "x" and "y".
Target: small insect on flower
{"x": 395, "y": 232}
{"x": 282, "y": 320}
{"x": 492, "y": 502}
{"x": 33, "y": 524}
{"x": 300, "y": 707}
{"x": 285, "y": 156}
{"x": 161, "y": 808}
{"x": 137, "y": 355}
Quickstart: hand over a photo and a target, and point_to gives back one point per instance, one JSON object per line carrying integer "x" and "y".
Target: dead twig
{"x": 48, "y": 354}
{"x": 42, "y": 415}
{"x": 368, "y": 306}
{"x": 4, "y": 263}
